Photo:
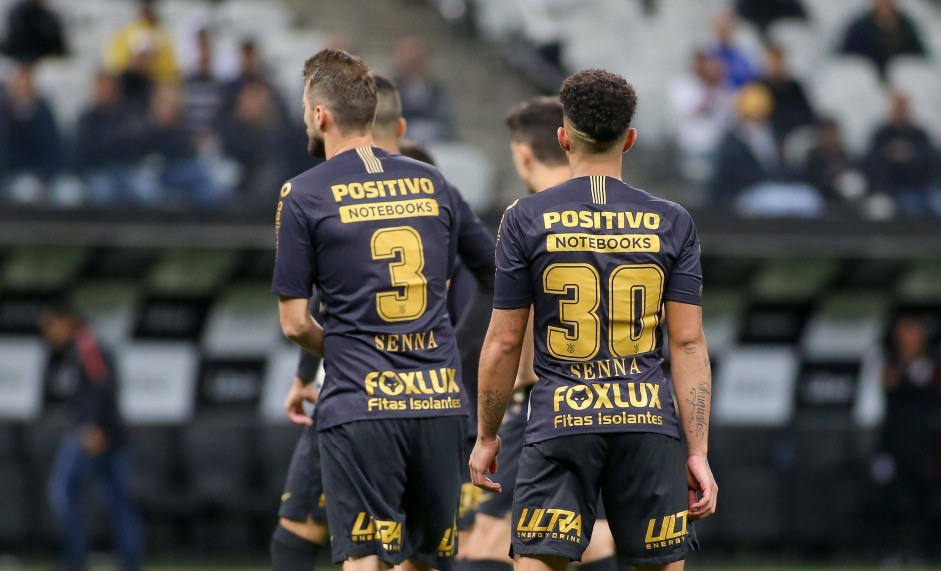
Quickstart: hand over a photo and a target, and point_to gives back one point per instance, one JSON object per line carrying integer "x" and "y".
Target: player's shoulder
{"x": 666, "y": 208}
{"x": 396, "y": 165}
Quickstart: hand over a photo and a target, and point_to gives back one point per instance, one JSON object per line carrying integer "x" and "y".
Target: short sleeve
{"x": 295, "y": 267}
{"x": 512, "y": 285}
{"x": 685, "y": 282}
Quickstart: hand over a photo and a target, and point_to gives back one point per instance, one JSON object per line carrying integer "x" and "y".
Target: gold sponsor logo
{"x": 603, "y": 244}
{"x": 607, "y": 220}
{"x": 382, "y": 188}
{"x": 672, "y": 531}
{"x": 606, "y": 396}
{"x": 367, "y": 528}
{"x": 554, "y": 523}
{"x": 448, "y": 541}
{"x": 286, "y": 189}
{"x": 388, "y": 210}
{"x": 394, "y": 383}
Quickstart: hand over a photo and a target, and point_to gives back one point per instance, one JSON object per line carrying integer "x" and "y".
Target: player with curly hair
{"x": 601, "y": 263}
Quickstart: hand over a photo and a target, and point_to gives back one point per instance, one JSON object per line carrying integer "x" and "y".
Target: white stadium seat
{"x": 920, "y": 79}
{"x": 848, "y": 88}
{"x": 158, "y": 382}
{"x": 468, "y": 169}
{"x": 755, "y": 386}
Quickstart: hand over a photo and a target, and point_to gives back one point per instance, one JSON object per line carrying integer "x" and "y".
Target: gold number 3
{"x": 403, "y": 245}
{"x": 635, "y": 292}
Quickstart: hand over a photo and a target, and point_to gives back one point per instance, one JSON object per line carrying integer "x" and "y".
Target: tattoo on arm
{"x": 699, "y": 398}
{"x": 491, "y": 409}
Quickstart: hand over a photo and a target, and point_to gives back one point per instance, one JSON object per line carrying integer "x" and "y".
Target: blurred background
{"x": 142, "y": 145}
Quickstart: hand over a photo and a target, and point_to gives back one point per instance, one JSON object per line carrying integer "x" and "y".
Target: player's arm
{"x": 692, "y": 381}
{"x": 299, "y": 326}
{"x": 499, "y": 362}
{"x": 526, "y": 374}
{"x": 475, "y": 244}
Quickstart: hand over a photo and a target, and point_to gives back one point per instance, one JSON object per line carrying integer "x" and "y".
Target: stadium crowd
{"x": 199, "y": 127}
{"x": 216, "y": 132}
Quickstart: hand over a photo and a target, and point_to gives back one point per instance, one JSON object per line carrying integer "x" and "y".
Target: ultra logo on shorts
{"x": 672, "y": 531}
{"x": 448, "y": 542}
{"x": 551, "y": 523}
{"x": 367, "y": 528}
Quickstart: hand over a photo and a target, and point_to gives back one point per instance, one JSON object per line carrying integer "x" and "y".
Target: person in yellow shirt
{"x": 144, "y": 35}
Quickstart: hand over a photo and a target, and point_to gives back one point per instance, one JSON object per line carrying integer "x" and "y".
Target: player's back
{"x": 384, "y": 234}
{"x": 601, "y": 259}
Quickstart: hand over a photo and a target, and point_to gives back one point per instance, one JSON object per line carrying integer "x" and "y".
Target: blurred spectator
{"x": 94, "y": 447}
{"x": 791, "y": 109}
{"x": 908, "y": 463}
{"x": 426, "y": 104}
{"x": 738, "y": 67}
{"x": 252, "y": 70}
{"x": 144, "y": 35}
{"x": 33, "y": 149}
{"x": 252, "y": 136}
{"x": 172, "y": 167}
{"x": 749, "y": 173}
{"x": 900, "y": 160}
{"x": 107, "y": 165}
{"x": 202, "y": 91}
{"x": 137, "y": 86}
{"x": 702, "y": 103}
{"x": 881, "y": 34}
{"x": 33, "y": 32}
{"x": 829, "y": 167}
{"x": 763, "y": 13}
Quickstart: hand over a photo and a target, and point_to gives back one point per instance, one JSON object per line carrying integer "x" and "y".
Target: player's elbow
{"x": 293, "y": 329}
{"x": 687, "y": 342}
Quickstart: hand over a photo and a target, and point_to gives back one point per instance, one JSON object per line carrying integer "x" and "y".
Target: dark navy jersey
{"x": 597, "y": 258}
{"x": 377, "y": 235}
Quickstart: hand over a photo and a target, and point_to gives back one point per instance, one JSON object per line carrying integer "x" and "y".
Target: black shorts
{"x": 303, "y": 489}
{"x": 394, "y": 488}
{"x": 511, "y": 437}
{"x": 470, "y": 494}
{"x": 643, "y": 480}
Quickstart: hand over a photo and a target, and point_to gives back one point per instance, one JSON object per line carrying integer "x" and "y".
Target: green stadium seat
{"x": 190, "y": 273}
{"x": 41, "y": 268}
{"x": 793, "y": 280}
{"x": 110, "y": 306}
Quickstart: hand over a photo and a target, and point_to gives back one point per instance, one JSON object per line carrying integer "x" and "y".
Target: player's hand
{"x": 294, "y": 403}
{"x": 94, "y": 441}
{"x": 483, "y": 461}
{"x": 703, "y": 490}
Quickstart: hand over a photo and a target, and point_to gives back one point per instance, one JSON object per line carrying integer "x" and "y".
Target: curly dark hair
{"x": 599, "y": 105}
{"x": 347, "y": 87}
{"x": 535, "y": 122}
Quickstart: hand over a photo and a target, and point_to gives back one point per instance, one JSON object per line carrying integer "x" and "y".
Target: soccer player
{"x": 600, "y": 262}
{"x": 377, "y": 234}
{"x": 94, "y": 449}
{"x": 302, "y": 526}
{"x": 540, "y": 163}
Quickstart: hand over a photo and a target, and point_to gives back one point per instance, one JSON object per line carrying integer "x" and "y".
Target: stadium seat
{"x": 803, "y": 42}
{"x": 755, "y": 387}
{"x": 110, "y": 307}
{"x": 157, "y": 470}
{"x": 498, "y": 19}
{"x": 41, "y": 268}
{"x": 158, "y": 382}
{"x": 279, "y": 376}
{"x": 189, "y": 272}
{"x": 252, "y": 18}
{"x": 22, "y": 364}
{"x": 793, "y": 280}
{"x": 753, "y": 506}
{"x": 848, "y": 89}
{"x": 920, "y": 79}
{"x": 244, "y": 322}
{"x": 846, "y": 325}
{"x": 721, "y": 320}
{"x": 922, "y": 283}
{"x": 833, "y": 17}
{"x": 277, "y": 447}
{"x": 467, "y": 168}
{"x": 15, "y": 515}
{"x": 220, "y": 455}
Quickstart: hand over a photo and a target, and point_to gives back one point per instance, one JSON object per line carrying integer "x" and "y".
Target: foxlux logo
{"x": 606, "y": 396}
{"x": 393, "y": 383}
{"x": 367, "y": 528}
{"x": 672, "y": 531}
{"x": 538, "y": 523}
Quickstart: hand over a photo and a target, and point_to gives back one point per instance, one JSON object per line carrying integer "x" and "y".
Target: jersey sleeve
{"x": 474, "y": 242}
{"x": 295, "y": 267}
{"x": 685, "y": 282}
{"x": 512, "y": 286}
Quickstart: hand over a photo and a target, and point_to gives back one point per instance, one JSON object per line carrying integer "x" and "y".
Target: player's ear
{"x": 630, "y": 140}
{"x": 564, "y": 140}
{"x": 320, "y": 117}
{"x": 401, "y": 128}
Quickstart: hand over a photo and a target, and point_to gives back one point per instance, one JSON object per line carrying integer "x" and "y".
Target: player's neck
{"x": 343, "y": 143}
{"x": 389, "y": 145}
{"x": 607, "y": 164}
{"x": 549, "y": 176}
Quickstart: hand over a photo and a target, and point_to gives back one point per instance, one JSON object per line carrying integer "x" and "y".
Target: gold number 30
{"x": 635, "y": 292}
{"x": 410, "y": 298}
